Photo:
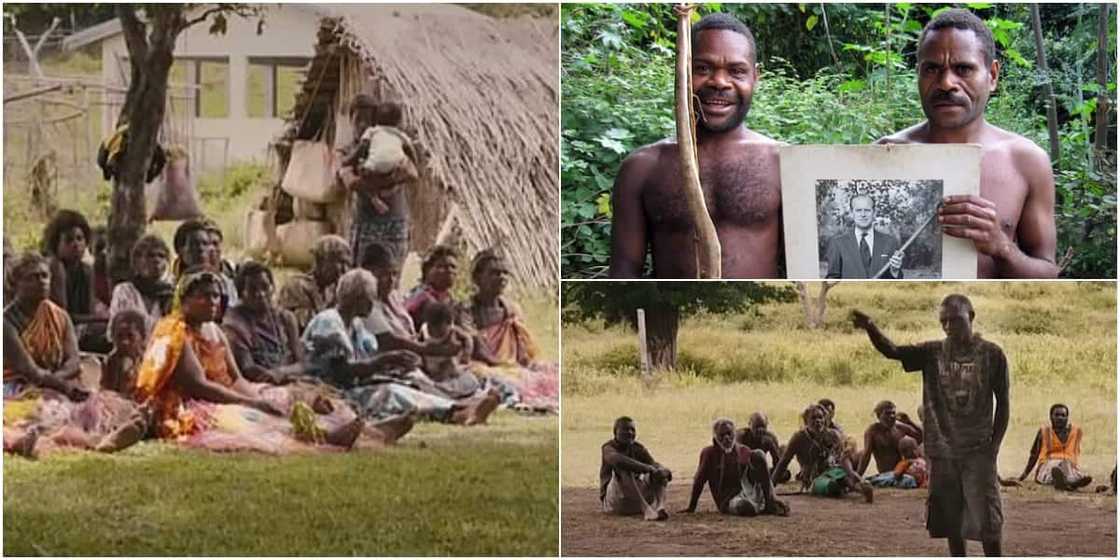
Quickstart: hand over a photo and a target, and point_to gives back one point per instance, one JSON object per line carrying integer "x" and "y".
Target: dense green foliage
{"x": 616, "y": 301}
{"x": 830, "y": 74}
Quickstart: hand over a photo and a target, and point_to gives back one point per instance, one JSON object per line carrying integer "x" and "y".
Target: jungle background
{"x": 840, "y": 74}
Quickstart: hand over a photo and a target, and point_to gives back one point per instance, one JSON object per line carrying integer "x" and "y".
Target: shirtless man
{"x": 738, "y": 171}
{"x": 630, "y": 481}
{"x": 736, "y": 475}
{"x": 1011, "y": 222}
{"x": 826, "y": 467}
{"x": 967, "y": 407}
{"x": 758, "y": 436}
{"x": 883, "y": 438}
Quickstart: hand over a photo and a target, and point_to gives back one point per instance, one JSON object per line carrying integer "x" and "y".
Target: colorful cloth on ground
{"x": 1045, "y": 473}
{"x": 262, "y": 338}
{"x": 889, "y": 480}
{"x": 50, "y": 412}
{"x": 328, "y": 341}
{"x": 916, "y": 468}
{"x": 302, "y": 296}
{"x": 43, "y": 334}
{"x": 829, "y": 483}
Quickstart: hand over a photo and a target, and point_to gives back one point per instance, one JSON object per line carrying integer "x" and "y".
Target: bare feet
{"x": 480, "y": 411}
{"x": 346, "y": 435}
{"x": 1059, "y": 479}
{"x": 867, "y": 491}
{"x": 390, "y": 430}
{"x": 659, "y": 515}
{"x": 1081, "y": 482}
{"x": 24, "y": 446}
{"x": 777, "y": 507}
{"x": 123, "y": 436}
{"x": 322, "y": 405}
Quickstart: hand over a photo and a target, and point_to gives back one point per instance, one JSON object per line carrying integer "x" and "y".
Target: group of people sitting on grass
{"x": 194, "y": 349}
{"x": 742, "y": 468}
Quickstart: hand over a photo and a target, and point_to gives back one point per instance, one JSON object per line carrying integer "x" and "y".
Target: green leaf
{"x": 603, "y": 204}
{"x": 635, "y": 19}
{"x": 852, "y": 85}
{"x": 978, "y": 6}
{"x": 619, "y": 134}
{"x": 811, "y": 22}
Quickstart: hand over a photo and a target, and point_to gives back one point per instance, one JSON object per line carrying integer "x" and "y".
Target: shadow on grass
{"x": 444, "y": 491}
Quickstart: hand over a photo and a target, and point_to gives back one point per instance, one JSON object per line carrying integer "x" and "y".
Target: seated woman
{"x": 149, "y": 291}
{"x": 502, "y": 335}
{"x": 305, "y": 295}
{"x": 44, "y": 405}
{"x": 198, "y": 246}
{"x": 190, "y": 380}
{"x": 264, "y": 338}
{"x": 344, "y": 353}
{"x": 437, "y": 276}
{"x": 72, "y": 287}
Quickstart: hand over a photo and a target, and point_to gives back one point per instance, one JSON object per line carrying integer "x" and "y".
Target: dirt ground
{"x": 1037, "y": 522}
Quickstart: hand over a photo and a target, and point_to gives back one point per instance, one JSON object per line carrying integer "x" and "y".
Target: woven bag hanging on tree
{"x": 175, "y": 196}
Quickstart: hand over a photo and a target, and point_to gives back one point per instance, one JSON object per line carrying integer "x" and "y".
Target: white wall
{"x": 289, "y": 30}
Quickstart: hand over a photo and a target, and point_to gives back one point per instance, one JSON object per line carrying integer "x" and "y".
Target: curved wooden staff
{"x": 706, "y": 241}
{"x": 913, "y": 236}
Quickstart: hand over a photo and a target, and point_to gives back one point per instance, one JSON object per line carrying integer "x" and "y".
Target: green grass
{"x": 443, "y": 491}
{"x": 1060, "y": 339}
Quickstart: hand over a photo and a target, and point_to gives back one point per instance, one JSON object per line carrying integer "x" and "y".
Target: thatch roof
{"x": 481, "y": 97}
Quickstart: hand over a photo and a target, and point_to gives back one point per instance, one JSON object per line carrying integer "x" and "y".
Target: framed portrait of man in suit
{"x": 870, "y": 212}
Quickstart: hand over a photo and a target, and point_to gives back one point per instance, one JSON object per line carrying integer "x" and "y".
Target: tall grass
{"x": 1060, "y": 340}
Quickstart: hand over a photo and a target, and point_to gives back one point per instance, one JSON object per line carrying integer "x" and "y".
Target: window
{"x": 272, "y": 86}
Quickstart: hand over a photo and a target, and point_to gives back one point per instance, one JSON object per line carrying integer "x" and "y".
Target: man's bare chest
{"x": 738, "y": 190}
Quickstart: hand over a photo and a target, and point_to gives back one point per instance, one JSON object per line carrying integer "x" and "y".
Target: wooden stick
{"x": 913, "y": 236}
{"x": 31, "y": 93}
{"x": 643, "y": 348}
{"x": 708, "y": 264}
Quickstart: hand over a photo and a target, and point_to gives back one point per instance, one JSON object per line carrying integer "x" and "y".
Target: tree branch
{"x": 215, "y": 10}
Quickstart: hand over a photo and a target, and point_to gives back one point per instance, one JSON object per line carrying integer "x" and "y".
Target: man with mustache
{"x": 1011, "y": 222}
{"x": 738, "y": 171}
{"x": 967, "y": 406}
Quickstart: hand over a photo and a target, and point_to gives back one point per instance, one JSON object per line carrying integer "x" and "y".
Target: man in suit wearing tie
{"x": 862, "y": 252}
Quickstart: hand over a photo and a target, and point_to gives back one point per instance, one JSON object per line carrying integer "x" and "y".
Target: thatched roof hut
{"x": 480, "y": 96}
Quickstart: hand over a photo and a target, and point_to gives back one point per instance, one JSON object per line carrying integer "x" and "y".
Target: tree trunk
{"x": 662, "y": 323}
{"x": 814, "y": 309}
{"x": 1048, "y": 88}
{"x": 1100, "y": 136}
{"x": 150, "y": 58}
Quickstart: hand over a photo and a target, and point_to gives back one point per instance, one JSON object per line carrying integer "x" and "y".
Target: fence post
{"x": 642, "y": 349}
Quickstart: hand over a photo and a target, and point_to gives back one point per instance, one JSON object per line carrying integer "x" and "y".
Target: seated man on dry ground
{"x": 1057, "y": 450}
{"x": 825, "y": 457}
{"x": 830, "y": 414}
{"x": 882, "y": 438}
{"x": 759, "y": 437}
{"x": 737, "y": 476}
{"x": 630, "y": 481}
{"x": 911, "y": 471}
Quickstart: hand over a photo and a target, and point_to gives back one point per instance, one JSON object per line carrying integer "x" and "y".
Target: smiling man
{"x": 738, "y": 171}
{"x": 1011, "y": 222}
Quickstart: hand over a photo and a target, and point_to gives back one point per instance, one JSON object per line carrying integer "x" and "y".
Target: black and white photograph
{"x": 879, "y": 229}
{"x": 870, "y": 212}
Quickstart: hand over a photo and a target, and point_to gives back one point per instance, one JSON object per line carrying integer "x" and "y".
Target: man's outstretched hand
{"x": 860, "y": 319}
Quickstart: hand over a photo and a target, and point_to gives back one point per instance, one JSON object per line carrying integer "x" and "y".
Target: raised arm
{"x": 1032, "y": 457}
{"x": 883, "y": 344}
{"x": 628, "y": 222}
{"x": 909, "y": 428}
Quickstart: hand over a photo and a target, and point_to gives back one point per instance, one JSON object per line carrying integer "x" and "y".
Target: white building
{"x": 230, "y": 92}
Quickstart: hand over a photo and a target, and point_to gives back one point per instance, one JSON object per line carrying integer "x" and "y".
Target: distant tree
{"x": 151, "y": 46}
{"x": 814, "y": 308}
{"x": 665, "y": 304}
